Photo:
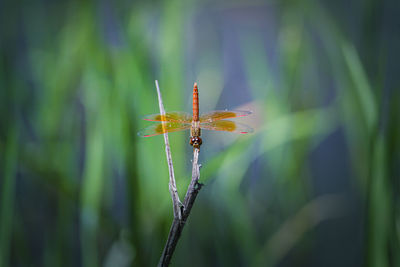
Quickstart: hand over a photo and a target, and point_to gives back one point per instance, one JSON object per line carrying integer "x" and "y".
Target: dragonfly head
{"x": 196, "y": 141}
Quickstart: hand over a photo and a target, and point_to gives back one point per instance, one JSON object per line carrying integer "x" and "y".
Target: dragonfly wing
{"x": 166, "y": 127}
{"x": 228, "y": 126}
{"x": 217, "y": 115}
{"x": 174, "y": 116}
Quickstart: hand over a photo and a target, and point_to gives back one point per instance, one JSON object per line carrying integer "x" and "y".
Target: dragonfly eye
{"x": 196, "y": 142}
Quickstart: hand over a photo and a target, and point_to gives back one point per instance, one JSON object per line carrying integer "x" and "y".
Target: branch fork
{"x": 181, "y": 211}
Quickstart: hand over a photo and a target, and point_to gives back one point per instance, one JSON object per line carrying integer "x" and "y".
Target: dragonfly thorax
{"x": 195, "y": 133}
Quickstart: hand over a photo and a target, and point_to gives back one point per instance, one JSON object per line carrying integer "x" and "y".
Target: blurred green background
{"x": 316, "y": 184}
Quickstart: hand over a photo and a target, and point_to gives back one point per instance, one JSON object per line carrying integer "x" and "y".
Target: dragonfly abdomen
{"x": 195, "y": 103}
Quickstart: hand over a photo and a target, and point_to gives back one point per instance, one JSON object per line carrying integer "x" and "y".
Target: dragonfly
{"x": 178, "y": 121}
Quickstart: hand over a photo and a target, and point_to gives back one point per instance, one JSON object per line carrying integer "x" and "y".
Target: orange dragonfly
{"x": 177, "y": 121}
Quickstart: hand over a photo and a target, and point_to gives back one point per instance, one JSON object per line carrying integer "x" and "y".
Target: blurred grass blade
{"x": 379, "y": 208}
{"x": 320, "y": 209}
{"x": 315, "y": 123}
{"x": 363, "y": 88}
{"x": 7, "y": 197}
{"x": 91, "y": 199}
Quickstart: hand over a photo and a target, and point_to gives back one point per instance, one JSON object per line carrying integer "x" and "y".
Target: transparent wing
{"x": 217, "y": 115}
{"x": 228, "y": 126}
{"x": 174, "y": 116}
{"x": 159, "y": 128}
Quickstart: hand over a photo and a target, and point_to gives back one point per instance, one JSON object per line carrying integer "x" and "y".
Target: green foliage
{"x": 79, "y": 187}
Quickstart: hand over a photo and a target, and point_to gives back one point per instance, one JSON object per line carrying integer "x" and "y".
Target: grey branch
{"x": 172, "y": 184}
{"x": 178, "y": 224}
{"x": 181, "y": 212}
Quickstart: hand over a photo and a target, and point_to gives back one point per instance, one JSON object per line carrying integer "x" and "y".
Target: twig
{"x": 180, "y": 214}
{"x": 178, "y": 224}
{"x": 172, "y": 184}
